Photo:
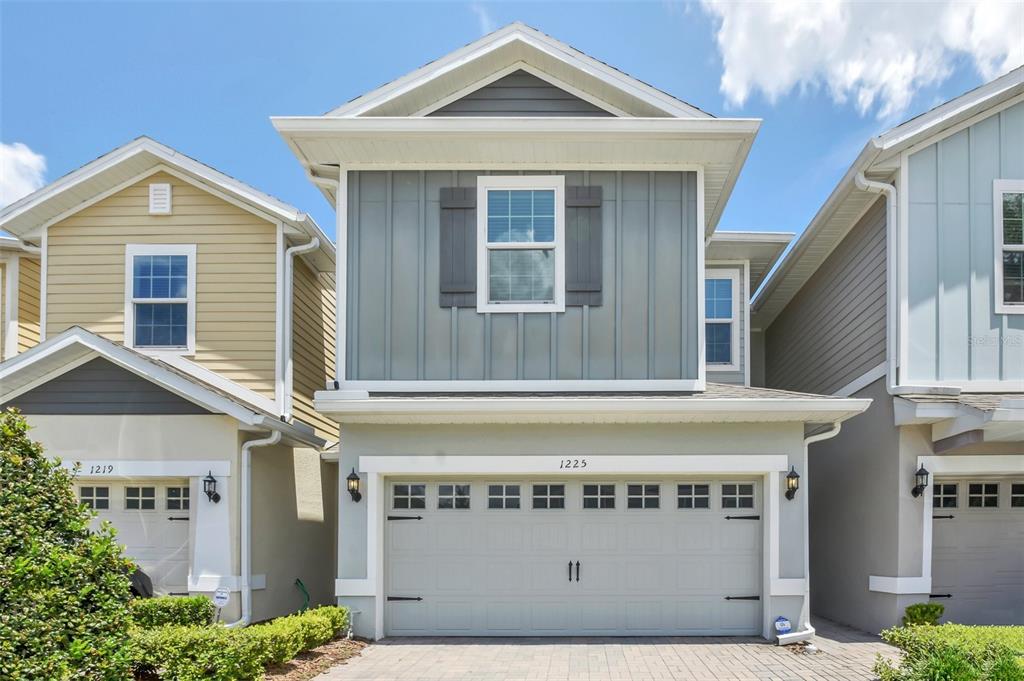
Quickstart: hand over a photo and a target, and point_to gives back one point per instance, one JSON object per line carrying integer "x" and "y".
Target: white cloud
{"x": 21, "y": 172}
{"x": 483, "y": 16}
{"x": 877, "y": 55}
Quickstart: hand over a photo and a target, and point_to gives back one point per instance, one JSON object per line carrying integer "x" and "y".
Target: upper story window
{"x": 1008, "y": 205}
{"x": 721, "y": 312}
{"x": 520, "y": 237}
{"x": 160, "y": 294}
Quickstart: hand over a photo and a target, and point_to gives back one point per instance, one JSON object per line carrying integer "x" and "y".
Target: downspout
{"x": 289, "y": 281}
{"x": 245, "y": 499}
{"x": 808, "y": 631}
{"x": 892, "y": 281}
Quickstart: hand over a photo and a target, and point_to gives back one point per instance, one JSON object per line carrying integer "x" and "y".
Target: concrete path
{"x": 845, "y": 655}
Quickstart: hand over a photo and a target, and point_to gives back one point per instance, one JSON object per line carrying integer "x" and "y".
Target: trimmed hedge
{"x": 183, "y": 653}
{"x": 194, "y": 611}
{"x": 923, "y": 613}
{"x": 955, "y": 651}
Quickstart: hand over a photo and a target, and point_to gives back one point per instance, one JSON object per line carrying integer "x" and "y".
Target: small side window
{"x": 944, "y": 495}
{"x": 453, "y": 496}
{"x": 503, "y": 496}
{"x": 140, "y": 498}
{"x": 693, "y": 495}
{"x": 738, "y": 495}
{"x": 983, "y": 495}
{"x": 549, "y": 496}
{"x": 96, "y": 498}
{"x": 1008, "y": 210}
{"x": 407, "y": 496}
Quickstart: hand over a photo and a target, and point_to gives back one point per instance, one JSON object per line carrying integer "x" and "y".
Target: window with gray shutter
{"x": 458, "y": 247}
{"x": 583, "y": 267}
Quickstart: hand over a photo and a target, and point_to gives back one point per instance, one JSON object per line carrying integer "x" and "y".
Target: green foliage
{"x": 923, "y": 613}
{"x": 63, "y": 590}
{"x": 955, "y": 652}
{"x": 184, "y": 610}
{"x": 181, "y": 653}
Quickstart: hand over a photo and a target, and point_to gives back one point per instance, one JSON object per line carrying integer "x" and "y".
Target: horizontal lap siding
{"x": 833, "y": 331}
{"x": 520, "y": 94}
{"x": 646, "y": 326}
{"x": 313, "y": 345}
{"x": 235, "y": 274}
{"x": 28, "y": 303}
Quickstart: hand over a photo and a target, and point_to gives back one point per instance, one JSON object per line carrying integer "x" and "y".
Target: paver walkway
{"x": 845, "y": 655}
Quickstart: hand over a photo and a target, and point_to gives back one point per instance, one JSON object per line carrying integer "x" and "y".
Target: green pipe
{"x": 305, "y": 594}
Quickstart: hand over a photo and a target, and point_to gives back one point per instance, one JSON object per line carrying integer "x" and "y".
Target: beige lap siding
{"x": 313, "y": 345}
{"x": 28, "y": 303}
{"x": 235, "y": 274}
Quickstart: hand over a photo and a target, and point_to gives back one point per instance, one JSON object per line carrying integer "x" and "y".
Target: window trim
{"x": 733, "y": 274}
{"x": 564, "y": 496}
{"x": 487, "y": 183}
{"x": 133, "y": 250}
{"x": 504, "y": 496}
{"x": 140, "y": 498}
{"x": 1014, "y": 495}
{"x": 455, "y": 496}
{"x": 643, "y": 496}
{"x": 722, "y": 495}
{"x": 90, "y": 500}
{"x": 410, "y": 496}
{"x": 694, "y": 496}
{"x": 983, "y": 495}
{"x": 599, "y": 496}
{"x": 1000, "y": 187}
{"x": 184, "y": 501}
{"x": 937, "y": 495}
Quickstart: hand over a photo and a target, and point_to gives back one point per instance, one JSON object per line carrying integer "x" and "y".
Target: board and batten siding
{"x": 313, "y": 345}
{"x": 235, "y": 274}
{"x": 739, "y": 376}
{"x": 953, "y": 331}
{"x": 646, "y": 327}
{"x": 520, "y": 94}
{"x": 28, "y": 303}
{"x": 833, "y": 331}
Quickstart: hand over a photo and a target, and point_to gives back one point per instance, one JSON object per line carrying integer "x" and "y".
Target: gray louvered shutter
{"x": 458, "y": 247}
{"x": 583, "y": 240}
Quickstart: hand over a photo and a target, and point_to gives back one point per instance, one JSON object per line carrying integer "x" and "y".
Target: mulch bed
{"x": 314, "y": 662}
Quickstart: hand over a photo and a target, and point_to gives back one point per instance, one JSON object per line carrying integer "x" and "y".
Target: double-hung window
{"x": 160, "y": 297}
{"x": 721, "y": 312}
{"x": 1008, "y": 209}
{"x": 520, "y": 243}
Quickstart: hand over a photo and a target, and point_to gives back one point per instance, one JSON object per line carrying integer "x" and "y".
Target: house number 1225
{"x": 573, "y": 463}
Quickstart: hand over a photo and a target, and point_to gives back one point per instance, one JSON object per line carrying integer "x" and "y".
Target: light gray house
{"x": 908, "y": 289}
{"x": 543, "y": 358}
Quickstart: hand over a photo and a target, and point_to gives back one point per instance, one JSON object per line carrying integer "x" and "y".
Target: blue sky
{"x": 78, "y": 79}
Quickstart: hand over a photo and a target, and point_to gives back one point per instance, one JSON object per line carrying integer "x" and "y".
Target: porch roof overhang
{"x": 719, "y": 146}
{"x": 965, "y": 419}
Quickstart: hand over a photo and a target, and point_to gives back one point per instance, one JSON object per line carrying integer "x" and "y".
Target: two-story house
{"x": 165, "y": 328}
{"x": 546, "y": 417}
{"x": 908, "y": 288}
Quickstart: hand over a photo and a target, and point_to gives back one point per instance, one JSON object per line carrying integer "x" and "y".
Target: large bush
{"x": 184, "y": 610}
{"x": 956, "y": 652}
{"x": 63, "y": 589}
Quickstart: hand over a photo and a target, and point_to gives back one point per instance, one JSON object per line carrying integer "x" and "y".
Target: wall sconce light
{"x": 210, "y": 488}
{"x": 792, "y": 483}
{"x": 353, "y": 486}
{"x": 920, "y": 481}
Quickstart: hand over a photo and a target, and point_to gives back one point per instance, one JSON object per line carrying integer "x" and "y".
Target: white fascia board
{"x": 742, "y": 237}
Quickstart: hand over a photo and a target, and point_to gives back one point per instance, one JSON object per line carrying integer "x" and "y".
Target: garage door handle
{"x": 940, "y": 595}
{"x": 742, "y": 598}
{"x": 570, "y": 571}
{"x": 405, "y": 598}
{"x": 173, "y": 517}
{"x": 405, "y": 517}
{"x": 942, "y": 517}
{"x": 742, "y": 517}
{"x": 577, "y": 571}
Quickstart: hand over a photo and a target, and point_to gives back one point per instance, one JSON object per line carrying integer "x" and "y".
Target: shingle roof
{"x": 981, "y": 401}
{"x": 714, "y": 391}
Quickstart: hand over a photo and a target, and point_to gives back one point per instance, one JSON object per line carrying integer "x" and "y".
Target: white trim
{"x": 903, "y": 271}
{"x": 1007, "y": 385}
{"x": 11, "y": 307}
{"x": 146, "y": 468}
{"x": 354, "y": 587}
{"x": 700, "y": 233}
{"x": 43, "y": 257}
{"x": 862, "y": 381}
{"x": 1000, "y": 187}
{"x": 900, "y": 585}
{"x": 733, "y": 275}
{"x": 949, "y": 131}
{"x": 664, "y": 464}
{"x": 747, "y": 334}
{"x": 130, "y": 253}
{"x": 508, "y": 70}
{"x": 587, "y": 385}
{"x": 155, "y": 198}
{"x": 279, "y": 321}
{"x": 486, "y": 183}
{"x": 47, "y": 377}
{"x": 994, "y": 464}
{"x": 341, "y": 277}
{"x": 608, "y": 127}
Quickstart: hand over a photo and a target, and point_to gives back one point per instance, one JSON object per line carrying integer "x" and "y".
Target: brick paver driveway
{"x": 844, "y": 655}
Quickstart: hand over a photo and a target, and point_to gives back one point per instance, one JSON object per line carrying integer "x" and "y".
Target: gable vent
{"x": 160, "y": 199}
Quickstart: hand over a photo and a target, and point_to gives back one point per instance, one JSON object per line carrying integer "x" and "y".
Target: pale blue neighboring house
{"x": 908, "y": 288}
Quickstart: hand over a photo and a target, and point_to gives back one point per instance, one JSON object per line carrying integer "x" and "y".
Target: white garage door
{"x": 978, "y": 550}
{"x": 152, "y": 522}
{"x": 583, "y": 557}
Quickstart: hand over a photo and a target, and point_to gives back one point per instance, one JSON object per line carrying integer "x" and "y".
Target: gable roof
{"x": 469, "y": 67}
{"x": 71, "y": 348}
{"x": 879, "y": 160}
{"x": 27, "y": 217}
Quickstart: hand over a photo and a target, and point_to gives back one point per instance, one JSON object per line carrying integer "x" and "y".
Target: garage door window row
{"x": 595, "y": 496}
{"x": 136, "y": 497}
{"x": 979, "y": 495}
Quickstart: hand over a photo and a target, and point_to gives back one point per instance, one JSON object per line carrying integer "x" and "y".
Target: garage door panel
{"x": 736, "y": 536}
{"x": 547, "y": 575}
{"x": 600, "y": 618}
{"x": 409, "y": 536}
{"x": 549, "y": 616}
{"x": 694, "y": 574}
{"x": 457, "y": 536}
{"x": 504, "y": 576}
{"x": 738, "y": 578}
{"x": 458, "y": 574}
{"x": 505, "y": 537}
{"x": 647, "y": 537}
{"x": 549, "y": 536}
{"x": 504, "y": 616}
{"x": 695, "y": 535}
{"x": 643, "y": 574}
{"x": 598, "y": 536}
{"x": 454, "y": 616}
{"x": 644, "y": 616}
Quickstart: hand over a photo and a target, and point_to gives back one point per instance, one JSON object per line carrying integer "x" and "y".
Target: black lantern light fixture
{"x": 792, "y": 483}
{"x": 920, "y": 481}
{"x": 210, "y": 488}
{"x": 353, "y": 486}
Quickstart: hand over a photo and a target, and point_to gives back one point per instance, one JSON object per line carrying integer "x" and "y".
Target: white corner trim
{"x": 279, "y": 321}
{"x": 10, "y": 320}
{"x": 487, "y": 183}
{"x": 788, "y": 586}
{"x": 900, "y": 585}
{"x": 130, "y": 253}
{"x": 43, "y": 257}
{"x": 354, "y": 587}
{"x": 862, "y": 381}
{"x": 143, "y": 468}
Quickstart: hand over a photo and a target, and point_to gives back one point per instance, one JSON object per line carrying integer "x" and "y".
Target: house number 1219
{"x": 573, "y": 463}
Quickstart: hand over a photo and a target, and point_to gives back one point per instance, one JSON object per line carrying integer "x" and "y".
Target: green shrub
{"x": 184, "y": 610}
{"x": 956, "y": 652}
{"x": 64, "y": 589}
{"x": 923, "y": 613}
{"x": 337, "y": 616}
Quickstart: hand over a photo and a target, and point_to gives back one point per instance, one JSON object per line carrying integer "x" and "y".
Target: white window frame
{"x": 1000, "y": 187}
{"x": 408, "y": 498}
{"x": 455, "y": 496}
{"x": 938, "y": 494}
{"x": 133, "y": 250}
{"x": 734, "y": 336}
{"x": 487, "y": 183}
{"x": 1015, "y": 495}
{"x": 548, "y": 496}
{"x": 693, "y": 496}
{"x": 140, "y": 498}
{"x": 90, "y": 499}
{"x": 184, "y": 499}
{"x": 504, "y": 496}
{"x": 643, "y": 496}
{"x": 600, "y": 496}
{"x": 983, "y": 495}
{"x": 722, "y": 496}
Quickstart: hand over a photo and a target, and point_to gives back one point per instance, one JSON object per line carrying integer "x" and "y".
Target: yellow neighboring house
{"x": 164, "y": 328}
